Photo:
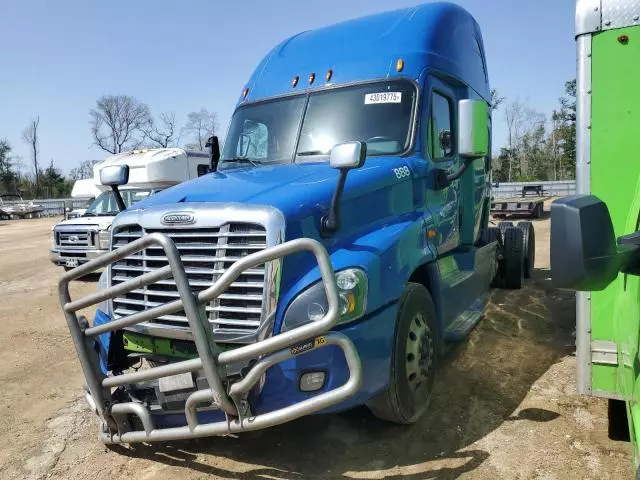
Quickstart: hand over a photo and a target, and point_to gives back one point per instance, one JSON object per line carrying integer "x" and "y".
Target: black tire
{"x": 415, "y": 344}
{"x": 528, "y": 247}
{"x": 489, "y": 235}
{"x": 538, "y": 211}
{"x": 503, "y": 226}
{"x": 512, "y": 263}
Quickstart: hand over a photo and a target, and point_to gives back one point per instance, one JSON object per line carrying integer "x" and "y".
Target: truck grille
{"x": 206, "y": 253}
{"x": 74, "y": 238}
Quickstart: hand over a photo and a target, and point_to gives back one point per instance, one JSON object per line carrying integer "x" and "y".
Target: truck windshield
{"x": 379, "y": 114}
{"x": 105, "y": 204}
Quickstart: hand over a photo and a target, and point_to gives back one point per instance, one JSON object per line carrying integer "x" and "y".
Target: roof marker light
{"x": 400, "y": 65}
{"x": 328, "y": 75}
{"x": 245, "y": 92}
{"x": 294, "y": 82}
{"x": 312, "y": 77}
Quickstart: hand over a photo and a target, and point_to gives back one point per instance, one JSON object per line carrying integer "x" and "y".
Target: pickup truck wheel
{"x": 512, "y": 263}
{"x": 528, "y": 247}
{"x": 414, "y": 361}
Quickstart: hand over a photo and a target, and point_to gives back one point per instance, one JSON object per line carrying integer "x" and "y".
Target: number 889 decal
{"x": 402, "y": 172}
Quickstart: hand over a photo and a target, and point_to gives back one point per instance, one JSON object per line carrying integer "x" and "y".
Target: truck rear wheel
{"x": 528, "y": 247}
{"x": 503, "y": 226}
{"x": 414, "y": 361}
{"x": 512, "y": 263}
{"x": 490, "y": 235}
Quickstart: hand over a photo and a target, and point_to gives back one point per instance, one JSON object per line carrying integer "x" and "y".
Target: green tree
{"x": 8, "y": 177}
{"x": 565, "y": 132}
{"x": 53, "y": 182}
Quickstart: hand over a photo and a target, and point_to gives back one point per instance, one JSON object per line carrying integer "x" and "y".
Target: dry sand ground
{"x": 505, "y": 405}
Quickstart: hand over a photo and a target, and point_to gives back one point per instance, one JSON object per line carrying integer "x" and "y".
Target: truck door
{"x": 455, "y": 210}
{"x": 439, "y": 147}
{"x": 445, "y": 204}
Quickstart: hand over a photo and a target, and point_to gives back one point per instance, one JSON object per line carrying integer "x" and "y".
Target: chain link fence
{"x": 51, "y": 207}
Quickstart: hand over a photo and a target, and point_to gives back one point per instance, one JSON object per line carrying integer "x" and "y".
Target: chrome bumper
{"x": 230, "y": 398}
{"x": 59, "y": 256}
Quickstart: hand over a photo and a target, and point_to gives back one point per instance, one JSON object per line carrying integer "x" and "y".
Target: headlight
{"x": 103, "y": 239}
{"x": 311, "y": 305}
{"x": 53, "y": 237}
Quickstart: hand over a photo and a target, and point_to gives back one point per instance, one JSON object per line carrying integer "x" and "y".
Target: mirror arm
{"x": 214, "y": 152}
{"x": 331, "y": 223}
{"x": 118, "y": 197}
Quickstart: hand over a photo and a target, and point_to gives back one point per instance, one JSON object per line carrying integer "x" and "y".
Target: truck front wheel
{"x": 414, "y": 361}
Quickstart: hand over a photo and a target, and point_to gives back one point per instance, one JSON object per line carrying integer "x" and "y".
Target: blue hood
{"x": 297, "y": 190}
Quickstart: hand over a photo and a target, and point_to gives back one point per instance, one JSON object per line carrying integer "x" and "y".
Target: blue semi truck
{"x": 340, "y": 240}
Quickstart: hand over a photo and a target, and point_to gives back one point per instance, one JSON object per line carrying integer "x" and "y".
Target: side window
{"x": 253, "y": 142}
{"x": 441, "y": 132}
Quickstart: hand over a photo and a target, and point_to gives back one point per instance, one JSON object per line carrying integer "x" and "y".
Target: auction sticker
{"x": 382, "y": 97}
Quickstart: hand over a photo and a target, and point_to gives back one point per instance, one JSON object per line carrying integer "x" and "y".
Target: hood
{"x": 294, "y": 189}
{"x": 102, "y": 222}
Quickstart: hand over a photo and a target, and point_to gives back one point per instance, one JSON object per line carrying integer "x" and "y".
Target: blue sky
{"x": 58, "y": 57}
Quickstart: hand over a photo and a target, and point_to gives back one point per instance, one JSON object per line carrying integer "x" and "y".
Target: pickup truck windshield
{"x": 105, "y": 204}
{"x": 379, "y": 114}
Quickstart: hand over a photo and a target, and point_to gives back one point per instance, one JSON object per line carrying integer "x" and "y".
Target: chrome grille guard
{"x": 232, "y": 401}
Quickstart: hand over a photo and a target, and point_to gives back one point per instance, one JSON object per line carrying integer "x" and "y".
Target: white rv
{"x": 80, "y": 239}
{"x": 86, "y": 189}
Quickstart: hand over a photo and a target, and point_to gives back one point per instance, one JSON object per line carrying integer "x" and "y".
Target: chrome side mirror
{"x": 114, "y": 175}
{"x": 344, "y": 157}
{"x": 473, "y": 129}
{"x": 348, "y": 155}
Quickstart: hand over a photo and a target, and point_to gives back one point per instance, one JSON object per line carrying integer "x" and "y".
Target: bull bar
{"x": 232, "y": 400}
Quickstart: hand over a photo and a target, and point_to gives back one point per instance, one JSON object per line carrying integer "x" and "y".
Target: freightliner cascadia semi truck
{"x": 339, "y": 242}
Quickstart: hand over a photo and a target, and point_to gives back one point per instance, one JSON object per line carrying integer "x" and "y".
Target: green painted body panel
{"x": 615, "y": 179}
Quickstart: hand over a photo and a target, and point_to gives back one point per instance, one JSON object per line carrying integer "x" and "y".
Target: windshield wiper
{"x": 310, "y": 153}
{"x": 103, "y": 214}
{"x": 241, "y": 160}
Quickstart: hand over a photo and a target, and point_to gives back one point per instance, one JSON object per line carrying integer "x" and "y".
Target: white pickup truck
{"x": 80, "y": 239}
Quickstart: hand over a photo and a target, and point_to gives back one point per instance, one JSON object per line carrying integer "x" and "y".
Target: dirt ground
{"x": 505, "y": 404}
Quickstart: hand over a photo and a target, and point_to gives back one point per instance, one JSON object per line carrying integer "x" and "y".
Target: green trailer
{"x": 594, "y": 244}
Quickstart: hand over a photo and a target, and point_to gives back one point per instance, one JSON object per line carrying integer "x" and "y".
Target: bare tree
{"x": 30, "y": 137}
{"x": 525, "y": 137}
{"x": 513, "y": 116}
{"x": 118, "y": 122}
{"x": 496, "y": 100}
{"x": 84, "y": 170}
{"x": 162, "y": 132}
{"x": 201, "y": 125}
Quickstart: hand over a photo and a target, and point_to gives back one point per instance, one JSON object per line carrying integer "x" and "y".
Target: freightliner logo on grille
{"x": 178, "y": 218}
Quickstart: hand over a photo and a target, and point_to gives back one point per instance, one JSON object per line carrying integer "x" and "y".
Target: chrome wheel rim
{"x": 419, "y": 353}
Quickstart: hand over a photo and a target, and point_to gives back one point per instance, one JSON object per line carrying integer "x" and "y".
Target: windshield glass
{"x": 378, "y": 113}
{"x": 106, "y": 204}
